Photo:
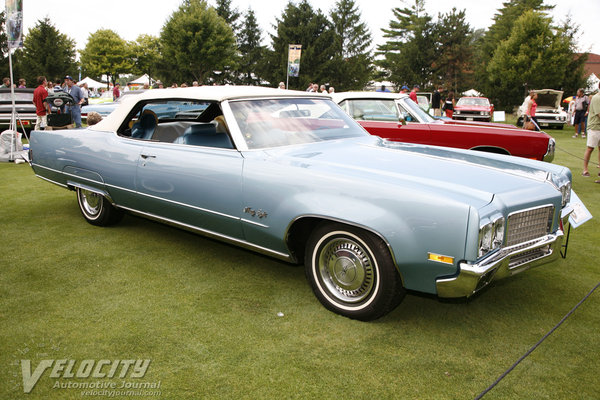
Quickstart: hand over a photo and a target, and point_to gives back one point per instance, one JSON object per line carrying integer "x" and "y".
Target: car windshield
{"x": 472, "y": 101}
{"x": 287, "y": 121}
{"x": 411, "y": 112}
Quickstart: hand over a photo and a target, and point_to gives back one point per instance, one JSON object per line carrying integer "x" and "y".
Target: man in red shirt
{"x": 116, "y": 92}
{"x": 413, "y": 93}
{"x": 41, "y": 107}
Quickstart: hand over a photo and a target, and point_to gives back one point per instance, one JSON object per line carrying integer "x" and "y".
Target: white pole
{"x": 13, "y": 123}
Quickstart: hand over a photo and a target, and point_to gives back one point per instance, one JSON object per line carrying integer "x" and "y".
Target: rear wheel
{"x": 96, "y": 209}
{"x": 352, "y": 272}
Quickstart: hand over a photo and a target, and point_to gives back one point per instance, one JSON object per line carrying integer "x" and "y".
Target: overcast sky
{"x": 130, "y": 18}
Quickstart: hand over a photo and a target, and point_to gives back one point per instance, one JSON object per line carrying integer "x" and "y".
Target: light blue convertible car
{"x": 289, "y": 174}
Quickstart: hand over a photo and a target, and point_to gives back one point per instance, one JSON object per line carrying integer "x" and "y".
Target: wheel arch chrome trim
{"x": 344, "y": 222}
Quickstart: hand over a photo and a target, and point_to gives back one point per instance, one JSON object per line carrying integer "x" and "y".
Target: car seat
{"x": 145, "y": 126}
{"x": 205, "y": 135}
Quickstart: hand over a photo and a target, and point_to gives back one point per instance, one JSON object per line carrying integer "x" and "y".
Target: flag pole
{"x": 13, "y": 121}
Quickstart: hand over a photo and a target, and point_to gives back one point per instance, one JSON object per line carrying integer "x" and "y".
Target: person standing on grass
{"x": 436, "y": 101}
{"x": 42, "y": 108}
{"x": 581, "y": 107}
{"x": 75, "y": 92}
{"x": 449, "y": 105}
{"x": 593, "y": 137}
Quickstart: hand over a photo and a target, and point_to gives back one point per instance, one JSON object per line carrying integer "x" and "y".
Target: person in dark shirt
{"x": 436, "y": 101}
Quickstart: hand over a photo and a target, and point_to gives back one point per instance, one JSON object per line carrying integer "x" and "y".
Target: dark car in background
{"x": 25, "y": 110}
{"x": 473, "y": 109}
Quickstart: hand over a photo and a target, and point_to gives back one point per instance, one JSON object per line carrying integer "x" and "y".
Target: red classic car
{"x": 473, "y": 109}
{"x": 396, "y": 117}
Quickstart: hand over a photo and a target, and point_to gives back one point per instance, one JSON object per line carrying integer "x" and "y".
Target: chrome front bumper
{"x": 506, "y": 262}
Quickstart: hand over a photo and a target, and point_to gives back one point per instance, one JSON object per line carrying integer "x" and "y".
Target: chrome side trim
{"x": 120, "y": 188}
{"x": 254, "y": 223}
{"x": 131, "y": 191}
{"x": 68, "y": 174}
{"x": 189, "y": 206}
{"x": 51, "y": 181}
{"x": 92, "y": 189}
{"x": 212, "y": 234}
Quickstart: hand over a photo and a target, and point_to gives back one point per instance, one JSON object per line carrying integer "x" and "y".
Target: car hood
{"x": 472, "y": 107}
{"x": 472, "y": 177}
{"x": 549, "y": 98}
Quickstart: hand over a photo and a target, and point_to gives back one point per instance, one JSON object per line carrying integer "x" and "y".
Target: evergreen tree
{"x": 47, "y": 52}
{"x": 533, "y": 56}
{"x": 106, "y": 53}
{"x": 452, "y": 65}
{"x": 504, "y": 21}
{"x": 230, "y": 15}
{"x": 197, "y": 44}
{"x": 352, "y": 53}
{"x": 301, "y": 24}
{"x": 251, "y": 51}
{"x": 575, "y": 68}
{"x": 409, "y": 52}
{"x": 500, "y": 30}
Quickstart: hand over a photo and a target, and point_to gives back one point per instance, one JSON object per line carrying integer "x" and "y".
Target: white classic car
{"x": 549, "y": 113}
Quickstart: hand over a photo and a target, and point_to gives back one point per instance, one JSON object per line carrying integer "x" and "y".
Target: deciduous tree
{"x": 106, "y": 53}
{"x": 197, "y": 44}
{"x": 146, "y": 55}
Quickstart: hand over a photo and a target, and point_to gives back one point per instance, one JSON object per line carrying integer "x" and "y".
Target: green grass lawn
{"x": 206, "y": 314}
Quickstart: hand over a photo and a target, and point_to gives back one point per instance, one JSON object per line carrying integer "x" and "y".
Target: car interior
{"x": 194, "y": 123}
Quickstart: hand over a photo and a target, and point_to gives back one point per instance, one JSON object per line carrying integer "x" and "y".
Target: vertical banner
{"x": 14, "y": 23}
{"x": 294, "y": 59}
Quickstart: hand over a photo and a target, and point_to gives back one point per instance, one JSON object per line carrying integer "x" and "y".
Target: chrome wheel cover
{"x": 91, "y": 203}
{"x": 346, "y": 270}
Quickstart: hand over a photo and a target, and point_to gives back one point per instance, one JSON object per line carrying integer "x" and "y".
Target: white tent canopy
{"x": 142, "y": 80}
{"x": 92, "y": 84}
{"x": 472, "y": 93}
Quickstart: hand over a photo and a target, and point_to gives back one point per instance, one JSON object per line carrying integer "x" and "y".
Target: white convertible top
{"x": 206, "y": 93}
{"x": 337, "y": 97}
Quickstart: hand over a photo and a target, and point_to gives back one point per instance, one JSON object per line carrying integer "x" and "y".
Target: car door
{"x": 195, "y": 186}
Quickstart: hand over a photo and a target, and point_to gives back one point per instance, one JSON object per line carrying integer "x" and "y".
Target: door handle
{"x": 146, "y": 156}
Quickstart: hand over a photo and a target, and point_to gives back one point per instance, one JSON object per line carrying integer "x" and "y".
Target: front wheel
{"x": 352, "y": 272}
{"x": 96, "y": 209}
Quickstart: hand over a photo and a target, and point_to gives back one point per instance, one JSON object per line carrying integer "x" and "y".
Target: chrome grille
{"x": 528, "y": 225}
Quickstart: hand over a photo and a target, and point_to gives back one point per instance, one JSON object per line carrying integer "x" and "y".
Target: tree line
{"x": 522, "y": 49}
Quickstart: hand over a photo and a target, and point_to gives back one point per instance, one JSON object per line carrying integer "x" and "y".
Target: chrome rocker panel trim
{"x": 471, "y": 278}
